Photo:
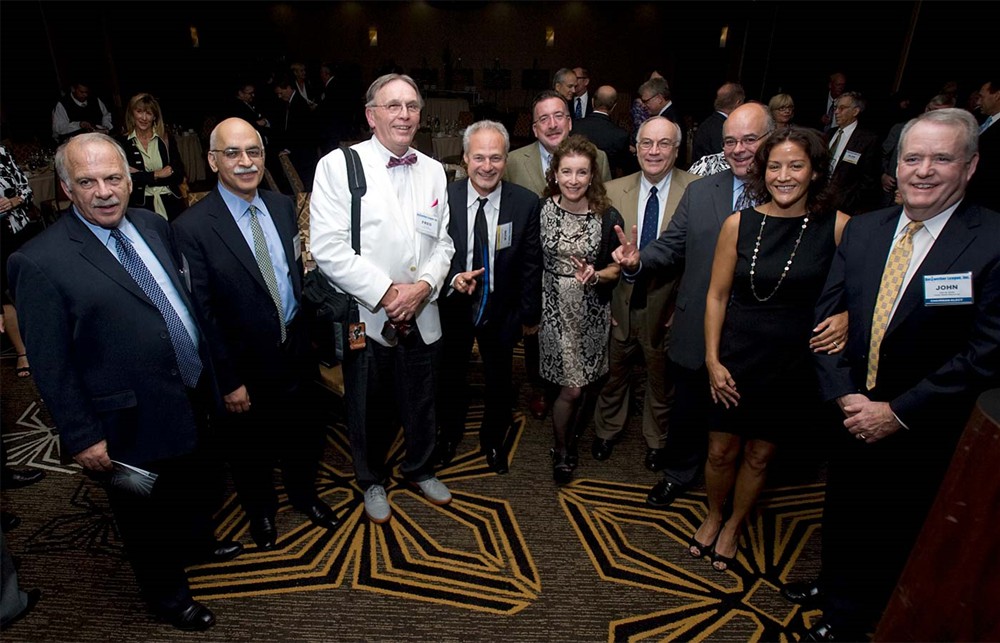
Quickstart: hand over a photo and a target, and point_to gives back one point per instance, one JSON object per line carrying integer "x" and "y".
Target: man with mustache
{"x": 494, "y": 294}
{"x": 526, "y": 166}
{"x": 118, "y": 354}
{"x": 242, "y": 246}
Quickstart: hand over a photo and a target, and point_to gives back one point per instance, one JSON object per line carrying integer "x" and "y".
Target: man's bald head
{"x": 605, "y": 98}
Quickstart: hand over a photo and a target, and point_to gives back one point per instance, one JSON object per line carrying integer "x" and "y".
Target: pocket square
{"x": 435, "y": 204}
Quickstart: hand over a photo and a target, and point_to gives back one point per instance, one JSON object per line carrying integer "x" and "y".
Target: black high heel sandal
{"x": 562, "y": 468}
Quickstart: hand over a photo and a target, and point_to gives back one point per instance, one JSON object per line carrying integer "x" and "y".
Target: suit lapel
{"x": 723, "y": 196}
{"x": 535, "y": 168}
{"x": 287, "y": 231}
{"x": 93, "y": 251}
{"x": 460, "y": 219}
{"x": 231, "y": 236}
{"x": 956, "y": 236}
{"x": 673, "y": 199}
{"x": 630, "y": 202}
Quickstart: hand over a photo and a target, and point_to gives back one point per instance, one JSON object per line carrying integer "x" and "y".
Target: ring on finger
{"x": 862, "y": 436}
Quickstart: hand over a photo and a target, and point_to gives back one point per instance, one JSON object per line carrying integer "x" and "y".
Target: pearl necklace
{"x": 788, "y": 264}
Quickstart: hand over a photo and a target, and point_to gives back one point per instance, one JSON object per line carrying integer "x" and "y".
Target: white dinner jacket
{"x": 392, "y": 250}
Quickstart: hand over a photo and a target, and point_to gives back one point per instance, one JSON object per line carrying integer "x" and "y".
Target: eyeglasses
{"x": 748, "y": 141}
{"x": 395, "y": 109}
{"x": 548, "y": 118}
{"x": 234, "y": 153}
{"x": 645, "y": 101}
{"x": 840, "y": 108}
{"x": 647, "y": 144}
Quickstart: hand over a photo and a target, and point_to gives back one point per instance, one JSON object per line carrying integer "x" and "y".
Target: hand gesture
{"x": 585, "y": 272}
{"x": 722, "y": 385}
{"x": 465, "y": 282}
{"x": 627, "y": 254}
{"x": 831, "y": 334}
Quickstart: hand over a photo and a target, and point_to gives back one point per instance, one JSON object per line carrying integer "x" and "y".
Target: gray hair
{"x": 384, "y": 80}
{"x": 485, "y": 125}
{"x": 954, "y": 117}
{"x": 656, "y": 87}
{"x": 654, "y": 119}
{"x": 560, "y": 76}
{"x": 86, "y": 139}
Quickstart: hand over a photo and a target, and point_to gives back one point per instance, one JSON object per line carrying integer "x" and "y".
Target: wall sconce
{"x": 373, "y": 36}
{"x": 194, "y": 36}
{"x": 550, "y": 37}
{"x": 723, "y": 36}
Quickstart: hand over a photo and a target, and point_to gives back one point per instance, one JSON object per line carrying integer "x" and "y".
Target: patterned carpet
{"x": 512, "y": 558}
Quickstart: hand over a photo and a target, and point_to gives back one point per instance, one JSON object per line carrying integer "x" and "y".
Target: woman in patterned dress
{"x": 577, "y": 231}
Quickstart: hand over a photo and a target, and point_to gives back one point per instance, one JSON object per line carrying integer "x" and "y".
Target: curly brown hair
{"x": 576, "y": 145}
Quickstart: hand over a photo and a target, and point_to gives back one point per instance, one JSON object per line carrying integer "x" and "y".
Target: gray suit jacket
{"x": 524, "y": 167}
{"x": 688, "y": 245}
{"x": 661, "y": 294}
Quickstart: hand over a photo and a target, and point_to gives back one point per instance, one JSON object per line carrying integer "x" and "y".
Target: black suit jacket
{"x": 857, "y": 186}
{"x": 984, "y": 188}
{"x": 100, "y": 350}
{"x": 607, "y": 136}
{"x": 933, "y": 360}
{"x": 239, "y": 109}
{"x": 516, "y": 299}
{"x": 708, "y": 137}
{"x": 229, "y": 290}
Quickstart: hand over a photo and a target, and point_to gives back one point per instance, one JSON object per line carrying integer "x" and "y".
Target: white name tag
{"x": 427, "y": 224}
{"x": 948, "y": 290}
{"x": 505, "y": 234}
{"x": 851, "y": 157}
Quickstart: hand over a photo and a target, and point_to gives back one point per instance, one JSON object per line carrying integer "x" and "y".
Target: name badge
{"x": 427, "y": 224}
{"x": 297, "y": 245}
{"x": 948, "y": 290}
{"x": 851, "y": 157}
{"x": 505, "y": 234}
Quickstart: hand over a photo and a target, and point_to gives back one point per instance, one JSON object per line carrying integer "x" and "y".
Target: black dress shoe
{"x": 663, "y": 493}
{"x": 15, "y": 479}
{"x": 496, "y": 460}
{"x": 654, "y": 459}
{"x": 803, "y": 593}
{"x": 601, "y": 449}
{"x": 190, "y": 617}
{"x": 224, "y": 550}
{"x": 320, "y": 514}
{"x": 8, "y": 521}
{"x": 33, "y": 597}
{"x": 445, "y": 452}
{"x": 264, "y": 532}
{"x": 822, "y": 632}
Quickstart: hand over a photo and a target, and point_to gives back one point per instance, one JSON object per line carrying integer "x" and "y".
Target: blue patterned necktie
{"x": 186, "y": 353}
{"x": 481, "y": 259}
{"x": 743, "y": 201}
{"x": 263, "y": 258}
{"x": 986, "y": 124}
{"x": 578, "y": 110}
{"x": 650, "y": 219}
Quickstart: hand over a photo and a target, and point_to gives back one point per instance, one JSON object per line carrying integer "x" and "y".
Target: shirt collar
{"x": 493, "y": 198}
{"x": 849, "y": 129}
{"x": 934, "y": 225}
{"x": 104, "y": 234}
{"x": 384, "y": 152}
{"x": 136, "y": 136}
{"x": 546, "y": 155}
{"x": 237, "y": 205}
{"x": 661, "y": 187}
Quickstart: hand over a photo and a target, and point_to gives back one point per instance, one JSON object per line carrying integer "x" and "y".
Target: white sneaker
{"x": 377, "y": 504}
{"x": 435, "y": 491}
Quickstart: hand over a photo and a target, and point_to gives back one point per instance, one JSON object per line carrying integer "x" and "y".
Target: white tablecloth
{"x": 43, "y": 186}
{"x": 446, "y": 109}
{"x": 193, "y": 156}
{"x": 445, "y": 146}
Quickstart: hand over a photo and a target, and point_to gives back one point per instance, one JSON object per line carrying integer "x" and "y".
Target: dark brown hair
{"x": 576, "y": 145}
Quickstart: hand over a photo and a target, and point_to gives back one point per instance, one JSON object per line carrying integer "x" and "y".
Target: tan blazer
{"x": 660, "y": 295}
{"x": 524, "y": 167}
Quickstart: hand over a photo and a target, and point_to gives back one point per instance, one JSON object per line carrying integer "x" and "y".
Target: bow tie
{"x": 409, "y": 159}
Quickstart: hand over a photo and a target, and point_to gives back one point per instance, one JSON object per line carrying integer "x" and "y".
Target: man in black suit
{"x": 294, "y": 131}
{"x": 331, "y": 121}
{"x": 508, "y": 275}
{"x": 914, "y": 364}
{"x": 583, "y": 104}
{"x": 605, "y": 134}
{"x": 242, "y": 245}
{"x": 117, "y": 352}
{"x": 855, "y": 159}
{"x": 984, "y": 188}
{"x": 655, "y": 96}
{"x": 708, "y": 137}
{"x": 242, "y": 106}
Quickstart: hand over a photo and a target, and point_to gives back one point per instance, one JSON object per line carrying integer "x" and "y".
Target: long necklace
{"x": 788, "y": 264}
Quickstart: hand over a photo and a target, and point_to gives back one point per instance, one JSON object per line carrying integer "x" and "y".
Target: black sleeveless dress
{"x": 765, "y": 344}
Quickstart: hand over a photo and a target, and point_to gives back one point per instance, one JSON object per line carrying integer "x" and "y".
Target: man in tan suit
{"x": 526, "y": 166}
{"x": 642, "y": 309}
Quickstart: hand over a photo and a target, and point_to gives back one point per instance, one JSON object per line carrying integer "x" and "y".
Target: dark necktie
{"x": 481, "y": 259}
{"x": 833, "y": 148}
{"x": 578, "y": 110}
{"x": 263, "y": 258}
{"x": 743, "y": 201}
{"x": 409, "y": 159}
{"x": 186, "y": 353}
{"x": 650, "y": 219}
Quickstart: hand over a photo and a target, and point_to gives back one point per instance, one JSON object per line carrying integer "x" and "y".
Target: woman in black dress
{"x": 770, "y": 265}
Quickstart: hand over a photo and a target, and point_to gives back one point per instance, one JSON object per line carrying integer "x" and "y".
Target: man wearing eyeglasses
{"x": 855, "y": 158}
{"x": 582, "y": 106}
{"x": 406, "y": 252}
{"x": 642, "y": 309}
{"x": 526, "y": 166}
{"x": 245, "y": 262}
